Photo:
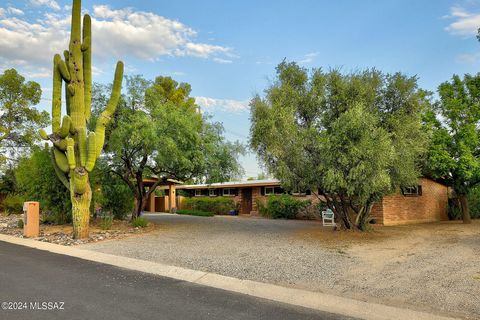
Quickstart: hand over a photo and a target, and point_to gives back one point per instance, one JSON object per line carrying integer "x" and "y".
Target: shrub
{"x": 13, "y": 203}
{"x": 474, "y": 202}
{"x": 217, "y": 205}
{"x": 262, "y": 209}
{"x": 20, "y": 223}
{"x": 284, "y": 207}
{"x": 106, "y": 222}
{"x": 195, "y": 213}
{"x": 112, "y": 194}
{"x": 140, "y": 222}
{"x": 37, "y": 181}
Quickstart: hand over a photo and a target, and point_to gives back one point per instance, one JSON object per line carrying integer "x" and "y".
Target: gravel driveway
{"x": 433, "y": 267}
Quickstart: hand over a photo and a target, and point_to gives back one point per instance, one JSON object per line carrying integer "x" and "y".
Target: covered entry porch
{"x": 163, "y": 203}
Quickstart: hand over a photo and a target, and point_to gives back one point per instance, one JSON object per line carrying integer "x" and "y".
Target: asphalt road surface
{"x": 36, "y": 284}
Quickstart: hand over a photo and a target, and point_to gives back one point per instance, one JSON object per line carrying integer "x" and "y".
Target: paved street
{"x": 91, "y": 290}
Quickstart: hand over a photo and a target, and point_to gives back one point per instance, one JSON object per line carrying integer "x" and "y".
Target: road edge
{"x": 303, "y": 298}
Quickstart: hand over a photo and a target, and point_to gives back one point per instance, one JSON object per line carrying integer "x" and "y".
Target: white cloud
{"x": 209, "y": 104}
{"x": 222, "y": 61}
{"x": 52, "y": 4}
{"x": 38, "y": 73}
{"x": 15, "y": 11}
{"x": 465, "y": 24}
{"x": 468, "y": 58}
{"x": 117, "y": 34}
{"x": 309, "y": 57}
{"x": 146, "y": 35}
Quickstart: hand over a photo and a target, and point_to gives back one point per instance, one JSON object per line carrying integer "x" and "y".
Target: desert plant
{"x": 13, "y": 203}
{"x": 76, "y": 150}
{"x": 106, "y": 222}
{"x": 139, "y": 222}
{"x": 217, "y": 205}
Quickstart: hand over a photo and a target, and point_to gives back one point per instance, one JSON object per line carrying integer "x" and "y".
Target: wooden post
{"x": 172, "y": 197}
{"x": 31, "y": 222}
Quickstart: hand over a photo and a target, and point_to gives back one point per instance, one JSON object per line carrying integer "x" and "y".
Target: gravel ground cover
{"x": 62, "y": 234}
{"x": 431, "y": 267}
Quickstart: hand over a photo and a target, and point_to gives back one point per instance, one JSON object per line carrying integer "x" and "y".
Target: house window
{"x": 211, "y": 192}
{"x": 299, "y": 194}
{"x": 414, "y": 191}
{"x": 198, "y": 192}
{"x": 269, "y": 191}
{"x": 229, "y": 192}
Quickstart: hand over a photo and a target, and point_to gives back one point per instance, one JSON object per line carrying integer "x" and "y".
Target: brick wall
{"x": 377, "y": 212}
{"x": 430, "y": 206}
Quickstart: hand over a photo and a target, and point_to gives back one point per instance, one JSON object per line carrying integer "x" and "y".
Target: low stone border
{"x": 303, "y": 298}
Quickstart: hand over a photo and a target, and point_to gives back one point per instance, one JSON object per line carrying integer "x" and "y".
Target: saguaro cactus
{"x": 75, "y": 150}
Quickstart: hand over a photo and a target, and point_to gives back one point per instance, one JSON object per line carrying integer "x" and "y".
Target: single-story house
{"x": 426, "y": 202}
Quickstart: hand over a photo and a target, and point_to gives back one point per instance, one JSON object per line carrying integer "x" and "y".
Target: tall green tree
{"x": 454, "y": 153}
{"x": 19, "y": 121}
{"x": 350, "y": 138}
{"x": 160, "y": 133}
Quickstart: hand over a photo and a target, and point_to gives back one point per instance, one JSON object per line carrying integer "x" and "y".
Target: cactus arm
{"x": 61, "y": 160}
{"x": 56, "y": 96}
{"x": 79, "y": 181}
{"x": 62, "y": 67}
{"x": 87, "y": 63}
{"x": 116, "y": 90}
{"x": 71, "y": 89}
{"x": 92, "y": 152}
{"x": 60, "y": 144}
{"x": 106, "y": 115}
{"x": 66, "y": 124}
{"x": 60, "y": 174}
{"x": 43, "y": 134}
{"x": 66, "y": 54}
{"x": 76, "y": 20}
{"x": 71, "y": 153}
{"x": 82, "y": 146}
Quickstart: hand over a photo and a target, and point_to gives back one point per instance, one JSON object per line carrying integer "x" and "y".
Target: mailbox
{"x": 31, "y": 219}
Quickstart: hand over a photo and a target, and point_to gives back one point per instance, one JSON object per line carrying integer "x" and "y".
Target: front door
{"x": 246, "y": 200}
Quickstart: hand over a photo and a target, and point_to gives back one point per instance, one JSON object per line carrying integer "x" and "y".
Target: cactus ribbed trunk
{"x": 75, "y": 150}
{"x": 81, "y": 213}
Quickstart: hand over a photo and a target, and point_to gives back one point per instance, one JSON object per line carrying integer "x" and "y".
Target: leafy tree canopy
{"x": 353, "y": 137}
{"x": 19, "y": 121}
{"x": 159, "y": 132}
{"x": 454, "y": 126}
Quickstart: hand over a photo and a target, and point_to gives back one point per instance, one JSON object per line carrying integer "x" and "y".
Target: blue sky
{"x": 228, "y": 50}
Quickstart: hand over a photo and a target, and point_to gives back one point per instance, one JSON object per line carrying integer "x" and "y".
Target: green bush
{"x": 283, "y": 207}
{"x": 20, "y": 223}
{"x": 217, "y": 205}
{"x": 106, "y": 222}
{"x": 474, "y": 202}
{"x": 37, "y": 181}
{"x": 140, "y": 222}
{"x": 111, "y": 194}
{"x": 13, "y": 203}
{"x": 195, "y": 213}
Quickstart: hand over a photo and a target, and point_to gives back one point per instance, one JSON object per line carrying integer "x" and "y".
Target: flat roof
{"x": 232, "y": 184}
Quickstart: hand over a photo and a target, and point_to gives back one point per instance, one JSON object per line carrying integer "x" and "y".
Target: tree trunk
{"x": 465, "y": 210}
{"x": 139, "y": 206}
{"x": 363, "y": 215}
{"x": 81, "y": 213}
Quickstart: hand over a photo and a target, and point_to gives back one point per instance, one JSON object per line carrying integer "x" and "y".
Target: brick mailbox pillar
{"x": 31, "y": 219}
